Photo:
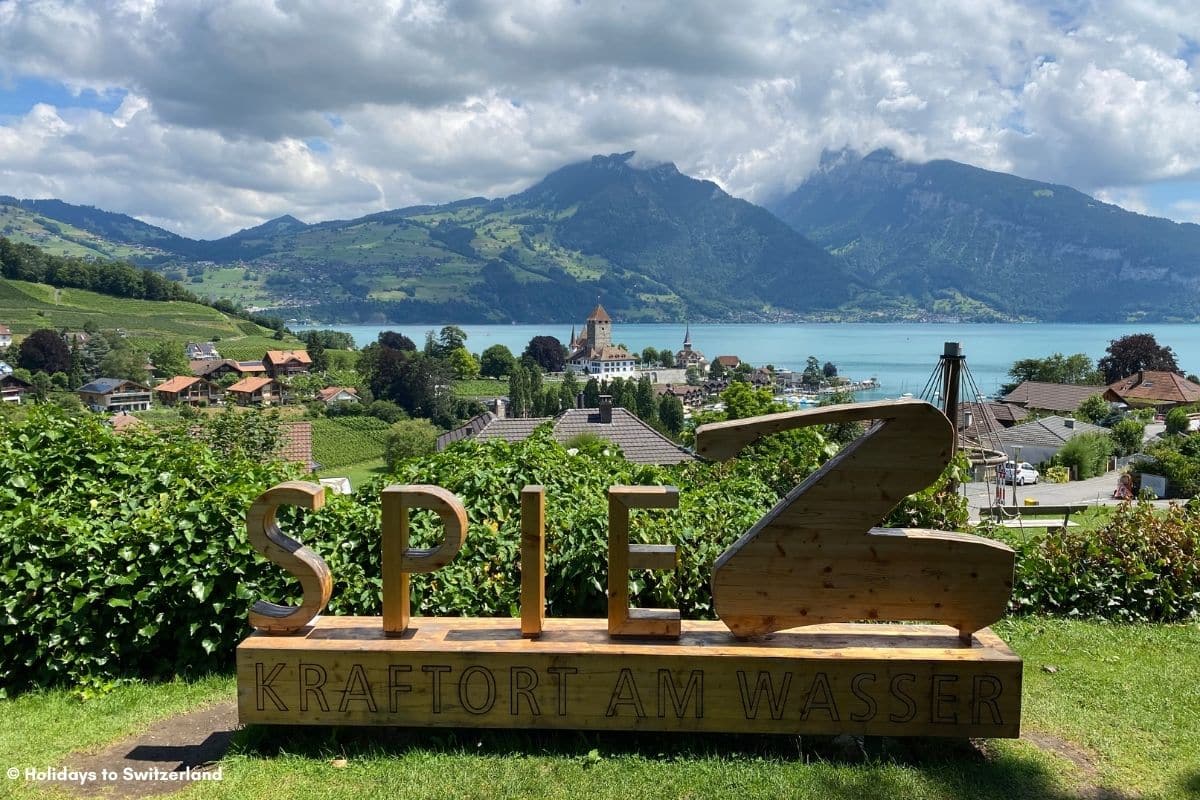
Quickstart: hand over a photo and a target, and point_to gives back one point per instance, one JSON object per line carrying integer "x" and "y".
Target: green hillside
{"x": 25, "y": 307}
{"x": 959, "y": 240}
{"x": 21, "y": 224}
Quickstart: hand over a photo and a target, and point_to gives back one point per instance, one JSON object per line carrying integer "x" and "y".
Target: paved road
{"x": 1095, "y": 491}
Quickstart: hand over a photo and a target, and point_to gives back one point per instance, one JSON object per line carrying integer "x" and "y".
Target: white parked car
{"x": 1020, "y": 474}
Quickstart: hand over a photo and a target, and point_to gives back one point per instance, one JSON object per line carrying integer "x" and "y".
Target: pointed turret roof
{"x": 599, "y": 314}
{"x": 687, "y": 335}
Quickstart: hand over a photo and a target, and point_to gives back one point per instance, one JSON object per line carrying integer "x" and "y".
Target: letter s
{"x": 307, "y": 566}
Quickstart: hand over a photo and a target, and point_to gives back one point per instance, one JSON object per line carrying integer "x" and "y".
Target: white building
{"x": 593, "y": 353}
{"x": 5, "y": 337}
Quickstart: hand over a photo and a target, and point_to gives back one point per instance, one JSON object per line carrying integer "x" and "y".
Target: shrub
{"x": 1177, "y": 421}
{"x": 409, "y": 438}
{"x": 1143, "y": 566}
{"x": 1086, "y": 454}
{"x": 1057, "y": 475}
{"x": 1127, "y": 436}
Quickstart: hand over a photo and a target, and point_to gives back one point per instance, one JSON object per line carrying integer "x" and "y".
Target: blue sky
{"x": 206, "y": 117}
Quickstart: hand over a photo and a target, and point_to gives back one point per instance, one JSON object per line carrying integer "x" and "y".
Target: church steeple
{"x": 687, "y": 337}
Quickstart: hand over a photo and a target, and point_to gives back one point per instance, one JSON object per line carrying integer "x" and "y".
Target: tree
{"x": 693, "y": 375}
{"x": 496, "y": 362}
{"x": 1127, "y": 434}
{"x": 568, "y": 390}
{"x": 519, "y": 401}
{"x": 591, "y": 393}
{"x": 169, "y": 360}
{"x": 316, "y": 352}
{"x": 716, "y": 370}
{"x": 451, "y": 338}
{"x": 829, "y": 370}
{"x": 396, "y": 341}
{"x": 1094, "y": 409}
{"x": 1177, "y": 420}
{"x": 409, "y": 438}
{"x": 1134, "y": 353}
{"x": 127, "y": 362}
{"x": 44, "y": 351}
{"x": 464, "y": 364}
{"x": 647, "y": 408}
{"x": 547, "y": 352}
{"x": 670, "y": 413}
{"x": 1074, "y": 369}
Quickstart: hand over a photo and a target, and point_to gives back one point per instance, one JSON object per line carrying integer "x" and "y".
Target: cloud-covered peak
{"x": 233, "y": 113}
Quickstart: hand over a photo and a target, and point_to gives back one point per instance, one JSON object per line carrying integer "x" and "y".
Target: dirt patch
{"x": 1089, "y": 776}
{"x": 173, "y": 754}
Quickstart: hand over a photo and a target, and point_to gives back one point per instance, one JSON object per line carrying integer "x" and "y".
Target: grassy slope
{"x": 28, "y": 306}
{"x": 63, "y": 239}
{"x": 1127, "y": 694}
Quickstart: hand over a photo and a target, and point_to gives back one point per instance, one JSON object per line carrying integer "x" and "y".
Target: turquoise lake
{"x": 901, "y": 355}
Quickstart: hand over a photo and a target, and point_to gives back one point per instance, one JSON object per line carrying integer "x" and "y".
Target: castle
{"x": 593, "y": 352}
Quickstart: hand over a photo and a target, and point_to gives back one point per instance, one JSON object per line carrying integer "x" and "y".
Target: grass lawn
{"x": 1125, "y": 700}
{"x": 359, "y": 472}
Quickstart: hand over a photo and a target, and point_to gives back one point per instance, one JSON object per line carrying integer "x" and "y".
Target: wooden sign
{"x": 787, "y": 656}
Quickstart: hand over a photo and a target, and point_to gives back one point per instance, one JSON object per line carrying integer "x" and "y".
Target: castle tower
{"x": 599, "y": 328}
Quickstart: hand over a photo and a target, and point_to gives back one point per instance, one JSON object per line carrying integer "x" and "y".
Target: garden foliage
{"x": 1143, "y": 566}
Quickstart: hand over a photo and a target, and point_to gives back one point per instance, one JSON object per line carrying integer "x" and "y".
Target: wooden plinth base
{"x": 893, "y": 680}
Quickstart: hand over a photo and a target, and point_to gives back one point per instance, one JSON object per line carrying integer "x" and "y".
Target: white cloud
{"x": 426, "y": 101}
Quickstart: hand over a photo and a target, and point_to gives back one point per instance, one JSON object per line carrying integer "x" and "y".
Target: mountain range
{"x": 863, "y": 238}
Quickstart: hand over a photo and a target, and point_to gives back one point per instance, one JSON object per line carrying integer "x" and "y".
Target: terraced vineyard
{"x": 342, "y": 441}
{"x": 25, "y": 307}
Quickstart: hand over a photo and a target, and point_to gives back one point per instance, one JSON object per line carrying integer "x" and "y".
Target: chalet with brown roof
{"x": 215, "y": 370}
{"x": 13, "y": 389}
{"x": 595, "y": 354}
{"x": 260, "y": 391}
{"x": 1058, "y": 398}
{"x": 188, "y": 390}
{"x": 338, "y": 394}
{"x": 728, "y": 362}
{"x": 1161, "y": 390}
{"x": 284, "y": 363}
{"x": 639, "y": 442}
{"x": 5, "y": 337}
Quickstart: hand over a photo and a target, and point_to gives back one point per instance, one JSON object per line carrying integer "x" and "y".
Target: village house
{"x": 728, "y": 362}
{"x": 285, "y": 363}
{"x": 13, "y": 389}
{"x": 260, "y": 391}
{"x": 1053, "y": 398}
{"x": 639, "y": 442}
{"x": 688, "y": 356}
{"x": 688, "y": 395}
{"x": 338, "y": 394}
{"x": 5, "y": 368}
{"x": 593, "y": 353}
{"x": 1155, "y": 389}
{"x": 1041, "y": 439}
{"x": 202, "y": 351}
{"x": 5, "y": 337}
{"x": 215, "y": 370}
{"x": 115, "y": 394}
{"x": 188, "y": 390}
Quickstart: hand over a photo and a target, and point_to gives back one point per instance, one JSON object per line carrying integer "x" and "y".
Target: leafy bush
{"x": 1143, "y": 566}
{"x": 1177, "y": 421}
{"x": 1086, "y": 454}
{"x": 122, "y": 552}
{"x": 1057, "y": 475}
{"x": 1127, "y": 435}
{"x": 409, "y": 438}
{"x": 1176, "y": 458}
{"x": 127, "y": 554}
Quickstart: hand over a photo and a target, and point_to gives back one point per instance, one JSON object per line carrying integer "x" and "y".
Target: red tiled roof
{"x": 332, "y": 391}
{"x": 276, "y": 357}
{"x": 729, "y": 361}
{"x": 5, "y": 330}
{"x": 249, "y": 385}
{"x": 599, "y": 314}
{"x": 297, "y": 444}
{"x": 1156, "y": 386}
{"x": 1042, "y": 396}
{"x": 176, "y": 384}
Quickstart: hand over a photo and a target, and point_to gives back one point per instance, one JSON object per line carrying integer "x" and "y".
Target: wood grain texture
{"x": 623, "y": 620}
{"x": 399, "y": 560}
{"x": 893, "y": 680}
{"x": 308, "y": 567}
{"x": 816, "y": 557}
{"x": 533, "y": 560}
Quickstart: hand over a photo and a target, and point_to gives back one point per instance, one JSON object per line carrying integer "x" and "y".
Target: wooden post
{"x": 307, "y": 566}
{"x": 399, "y": 559}
{"x": 622, "y": 557}
{"x": 533, "y": 560}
